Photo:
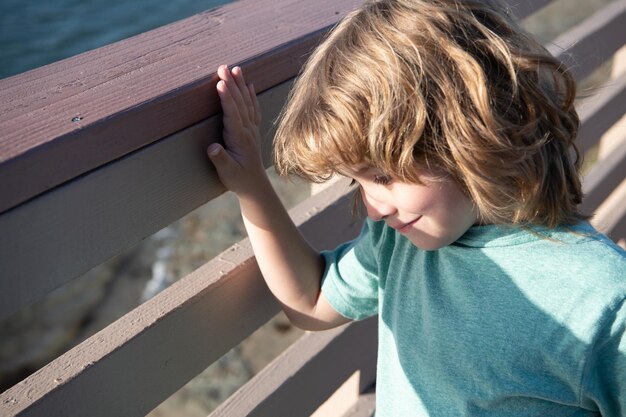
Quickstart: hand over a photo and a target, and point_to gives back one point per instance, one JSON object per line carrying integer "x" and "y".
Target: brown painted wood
{"x": 134, "y": 364}
{"x": 593, "y": 41}
{"x": 75, "y": 227}
{"x": 604, "y": 177}
{"x": 365, "y": 405}
{"x": 68, "y": 118}
{"x": 308, "y": 373}
{"x": 610, "y": 218}
{"x": 139, "y": 90}
{"x": 599, "y": 112}
{"x": 524, "y": 8}
{"x": 139, "y": 360}
{"x": 616, "y": 229}
{"x": 96, "y": 216}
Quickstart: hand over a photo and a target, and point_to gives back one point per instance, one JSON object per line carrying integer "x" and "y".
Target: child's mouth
{"x": 407, "y": 226}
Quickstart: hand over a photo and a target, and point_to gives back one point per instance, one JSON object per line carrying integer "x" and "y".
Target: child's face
{"x": 431, "y": 215}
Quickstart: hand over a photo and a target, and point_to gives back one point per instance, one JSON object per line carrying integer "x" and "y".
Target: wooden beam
{"x": 84, "y": 222}
{"x": 365, "y": 405}
{"x": 610, "y": 218}
{"x": 68, "y": 118}
{"x": 593, "y": 41}
{"x": 65, "y": 119}
{"x": 600, "y": 111}
{"x": 604, "y": 177}
{"x": 524, "y": 8}
{"x": 131, "y": 366}
{"x": 305, "y": 375}
{"x": 136, "y": 362}
{"x": 81, "y": 224}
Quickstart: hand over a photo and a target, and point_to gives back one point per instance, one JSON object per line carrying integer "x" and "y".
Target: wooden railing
{"x": 101, "y": 150}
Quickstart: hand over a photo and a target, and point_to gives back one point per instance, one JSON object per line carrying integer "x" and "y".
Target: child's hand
{"x": 291, "y": 267}
{"x": 238, "y": 163}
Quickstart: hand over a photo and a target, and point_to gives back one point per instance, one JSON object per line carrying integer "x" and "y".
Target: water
{"x": 35, "y": 33}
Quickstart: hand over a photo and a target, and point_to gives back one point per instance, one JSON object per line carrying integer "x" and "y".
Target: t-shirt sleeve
{"x": 604, "y": 384}
{"x": 351, "y": 277}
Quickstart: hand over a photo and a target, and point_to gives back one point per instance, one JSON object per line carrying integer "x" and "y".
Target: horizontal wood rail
{"x": 113, "y": 203}
{"x": 97, "y": 215}
{"x": 101, "y": 150}
{"x": 91, "y": 109}
{"x": 303, "y": 379}
{"x": 593, "y": 41}
{"x": 104, "y": 211}
{"x": 65, "y": 119}
{"x": 138, "y": 351}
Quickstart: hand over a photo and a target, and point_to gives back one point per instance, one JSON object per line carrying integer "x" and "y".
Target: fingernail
{"x": 214, "y": 149}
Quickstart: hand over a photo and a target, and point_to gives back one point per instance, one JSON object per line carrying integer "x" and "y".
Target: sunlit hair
{"x": 451, "y": 84}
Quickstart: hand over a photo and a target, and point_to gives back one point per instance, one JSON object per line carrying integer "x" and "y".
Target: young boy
{"x": 494, "y": 295}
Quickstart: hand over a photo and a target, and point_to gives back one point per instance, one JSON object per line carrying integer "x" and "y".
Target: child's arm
{"x": 291, "y": 268}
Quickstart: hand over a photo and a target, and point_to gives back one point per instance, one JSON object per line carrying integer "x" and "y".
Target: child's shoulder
{"x": 575, "y": 273}
{"x": 578, "y": 249}
{"x": 586, "y": 255}
{"x": 595, "y": 244}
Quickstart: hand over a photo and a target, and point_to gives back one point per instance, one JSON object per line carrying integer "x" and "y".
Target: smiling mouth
{"x": 405, "y": 227}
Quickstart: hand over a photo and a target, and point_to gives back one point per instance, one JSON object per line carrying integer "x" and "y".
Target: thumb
{"x": 216, "y": 154}
{"x": 220, "y": 159}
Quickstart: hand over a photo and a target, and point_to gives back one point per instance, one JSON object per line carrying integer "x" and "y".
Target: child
{"x": 495, "y": 297}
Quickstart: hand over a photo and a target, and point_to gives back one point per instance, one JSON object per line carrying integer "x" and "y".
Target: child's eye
{"x": 382, "y": 179}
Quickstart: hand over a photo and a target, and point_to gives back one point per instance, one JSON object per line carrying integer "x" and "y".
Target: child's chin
{"x": 428, "y": 242}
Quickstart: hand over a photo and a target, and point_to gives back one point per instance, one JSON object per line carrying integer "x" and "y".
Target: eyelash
{"x": 379, "y": 179}
{"x": 382, "y": 179}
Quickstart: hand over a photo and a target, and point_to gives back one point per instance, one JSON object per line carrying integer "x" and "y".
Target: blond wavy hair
{"x": 452, "y": 84}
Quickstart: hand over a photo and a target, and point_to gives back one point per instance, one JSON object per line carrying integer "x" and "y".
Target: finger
{"x": 235, "y": 93}
{"x": 245, "y": 92}
{"x": 220, "y": 159}
{"x": 213, "y": 150}
{"x": 255, "y": 104}
{"x": 237, "y": 74}
{"x": 229, "y": 107}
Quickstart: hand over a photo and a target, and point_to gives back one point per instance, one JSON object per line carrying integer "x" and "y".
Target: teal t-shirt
{"x": 503, "y": 322}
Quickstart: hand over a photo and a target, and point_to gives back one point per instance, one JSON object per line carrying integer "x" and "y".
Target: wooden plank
{"x": 524, "y": 8}
{"x": 604, "y": 177}
{"x": 365, "y": 405}
{"x": 593, "y": 41}
{"x": 135, "y": 363}
{"x": 97, "y": 216}
{"x": 139, "y": 90}
{"x": 307, "y": 373}
{"x": 610, "y": 217}
{"x": 348, "y": 393}
{"x": 599, "y": 112}
{"x": 70, "y": 117}
{"x": 81, "y": 224}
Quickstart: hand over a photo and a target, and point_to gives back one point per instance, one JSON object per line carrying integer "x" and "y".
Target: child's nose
{"x": 376, "y": 209}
